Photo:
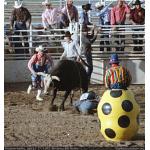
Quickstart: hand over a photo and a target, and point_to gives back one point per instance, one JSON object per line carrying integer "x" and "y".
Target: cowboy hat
{"x": 18, "y": 4}
{"x": 137, "y": 2}
{"x": 86, "y": 7}
{"x": 40, "y": 49}
{"x": 47, "y": 2}
{"x": 98, "y": 4}
{"x": 114, "y": 59}
{"x": 68, "y": 34}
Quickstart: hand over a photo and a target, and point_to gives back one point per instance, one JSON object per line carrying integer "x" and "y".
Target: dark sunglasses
{"x": 47, "y": 4}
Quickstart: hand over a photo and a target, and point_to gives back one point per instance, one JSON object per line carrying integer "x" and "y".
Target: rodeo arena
{"x": 74, "y": 74}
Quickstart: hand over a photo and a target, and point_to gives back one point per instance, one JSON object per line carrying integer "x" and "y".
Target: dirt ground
{"x": 30, "y": 123}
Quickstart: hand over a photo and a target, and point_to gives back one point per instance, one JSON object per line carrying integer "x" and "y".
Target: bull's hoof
{"x": 53, "y": 108}
{"x": 61, "y": 108}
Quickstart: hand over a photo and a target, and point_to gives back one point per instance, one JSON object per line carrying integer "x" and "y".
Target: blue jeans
{"x": 21, "y": 26}
{"x": 118, "y": 86}
{"x": 85, "y": 106}
{"x": 37, "y": 80}
{"x": 135, "y": 41}
{"x": 106, "y": 35}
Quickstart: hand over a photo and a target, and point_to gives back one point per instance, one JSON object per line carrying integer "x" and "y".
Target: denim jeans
{"x": 105, "y": 42}
{"x": 85, "y": 106}
{"x": 37, "y": 80}
{"x": 135, "y": 41}
{"x": 21, "y": 26}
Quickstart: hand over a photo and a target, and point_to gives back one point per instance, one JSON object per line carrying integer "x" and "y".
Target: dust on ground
{"x": 30, "y": 123}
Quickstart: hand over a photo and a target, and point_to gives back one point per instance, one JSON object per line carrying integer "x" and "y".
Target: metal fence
{"x": 52, "y": 41}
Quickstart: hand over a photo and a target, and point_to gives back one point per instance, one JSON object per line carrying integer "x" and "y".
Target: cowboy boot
{"x": 29, "y": 89}
{"x": 39, "y": 91}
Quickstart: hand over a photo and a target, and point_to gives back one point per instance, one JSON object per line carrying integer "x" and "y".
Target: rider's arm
{"x": 30, "y": 64}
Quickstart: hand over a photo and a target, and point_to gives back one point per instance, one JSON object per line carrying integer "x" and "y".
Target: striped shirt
{"x": 117, "y": 75}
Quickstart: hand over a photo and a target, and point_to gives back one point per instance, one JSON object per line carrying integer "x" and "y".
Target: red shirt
{"x": 118, "y": 14}
{"x": 136, "y": 17}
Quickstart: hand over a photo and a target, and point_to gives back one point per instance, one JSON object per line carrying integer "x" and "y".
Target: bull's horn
{"x": 55, "y": 77}
{"x": 41, "y": 74}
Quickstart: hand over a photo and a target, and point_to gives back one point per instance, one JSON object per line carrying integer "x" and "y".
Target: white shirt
{"x": 71, "y": 49}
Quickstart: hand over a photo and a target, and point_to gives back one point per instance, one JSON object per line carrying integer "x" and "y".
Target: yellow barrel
{"x": 118, "y": 113}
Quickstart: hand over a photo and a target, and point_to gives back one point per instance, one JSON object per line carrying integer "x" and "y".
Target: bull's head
{"x": 48, "y": 80}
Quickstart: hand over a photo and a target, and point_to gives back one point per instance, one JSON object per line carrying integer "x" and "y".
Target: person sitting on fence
{"x": 71, "y": 48}
{"x": 20, "y": 15}
{"x": 71, "y": 12}
{"x": 84, "y": 18}
{"x": 137, "y": 17}
{"x": 87, "y": 40}
{"x": 39, "y": 62}
{"x": 87, "y": 104}
{"x": 118, "y": 17}
{"x": 51, "y": 16}
{"x": 103, "y": 12}
{"x": 117, "y": 76}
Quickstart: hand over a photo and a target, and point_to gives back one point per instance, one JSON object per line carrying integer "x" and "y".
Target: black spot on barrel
{"x": 110, "y": 133}
{"x": 116, "y": 93}
{"x": 127, "y": 105}
{"x": 106, "y": 108}
{"x": 124, "y": 121}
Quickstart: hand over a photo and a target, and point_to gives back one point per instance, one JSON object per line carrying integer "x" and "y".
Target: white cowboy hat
{"x": 40, "y": 48}
{"x": 46, "y": 2}
{"x": 98, "y": 4}
{"x": 18, "y": 4}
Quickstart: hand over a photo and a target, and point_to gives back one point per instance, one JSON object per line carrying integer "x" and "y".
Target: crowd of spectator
{"x": 59, "y": 18}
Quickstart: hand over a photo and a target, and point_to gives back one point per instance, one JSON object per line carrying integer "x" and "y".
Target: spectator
{"x": 118, "y": 17}
{"x": 87, "y": 103}
{"x": 39, "y": 62}
{"x": 20, "y": 15}
{"x": 104, "y": 19}
{"x": 51, "y": 16}
{"x": 117, "y": 77}
{"x": 137, "y": 17}
{"x": 71, "y": 48}
{"x": 87, "y": 39}
{"x": 84, "y": 18}
{"x": 70, "y": 11}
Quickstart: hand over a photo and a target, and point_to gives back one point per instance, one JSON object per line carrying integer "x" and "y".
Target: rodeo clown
{"x": 117, "y": 77}
{"x": 87, "y": 103}
{"x": 118, "y": 111}
{"x": 39, "y": 62}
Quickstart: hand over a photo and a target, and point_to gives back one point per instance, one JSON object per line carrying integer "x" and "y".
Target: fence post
{"x": 80, "y": 35}
{"x": 90, "y": 12}
{"x": 30, "y": 40}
